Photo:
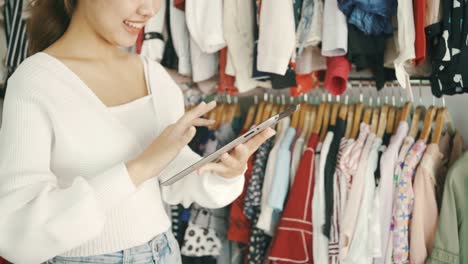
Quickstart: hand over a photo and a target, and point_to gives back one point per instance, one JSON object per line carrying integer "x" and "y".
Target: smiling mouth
{"x": 134, "y": 25}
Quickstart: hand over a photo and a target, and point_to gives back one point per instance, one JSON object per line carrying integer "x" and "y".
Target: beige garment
{"x": 310, "y": 60}
{"x": 238, "y": 32}
{"x": 425, "y": 213}
{"x": 433, "y": 12}
{"x": 452, "y": 149}
{"x": 391, "y": 49}
{"x": 405, "y": 36}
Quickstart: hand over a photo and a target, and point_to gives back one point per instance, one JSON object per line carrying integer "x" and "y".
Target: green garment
{"x": 451, "y": 241}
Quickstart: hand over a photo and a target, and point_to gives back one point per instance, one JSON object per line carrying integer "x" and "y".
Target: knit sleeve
{"x": 207, "y": 190}
{"x": 41, "y": 219}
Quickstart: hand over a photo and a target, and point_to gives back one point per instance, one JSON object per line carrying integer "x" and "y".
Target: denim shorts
{"x": 163, "y": 249}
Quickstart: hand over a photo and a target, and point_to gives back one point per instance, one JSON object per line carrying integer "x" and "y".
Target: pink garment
{"x": 404, "y": 202}
{"x": 351, "y": 164}
{"x": 355, "y": 197}
{"x": 425, "y": 214}
{"x": 388, "y": 162}
{"x": 338, "y": 181}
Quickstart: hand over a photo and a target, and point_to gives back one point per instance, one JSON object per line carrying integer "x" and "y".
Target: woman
{"x": 87, "y": 132}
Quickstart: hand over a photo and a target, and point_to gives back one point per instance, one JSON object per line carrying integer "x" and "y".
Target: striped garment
{"x": 338, "y": 195}
{"x": 15, "y": 31}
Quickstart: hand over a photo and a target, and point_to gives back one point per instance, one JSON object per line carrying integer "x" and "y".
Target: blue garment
{"x": 160, "y": 250}
{"x": 304, "y": 27}
{"x": 281, "y": 178}
{"x": 373, "y": 17}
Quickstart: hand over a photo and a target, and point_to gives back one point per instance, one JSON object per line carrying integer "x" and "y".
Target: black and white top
{"x": 450, "y": 49}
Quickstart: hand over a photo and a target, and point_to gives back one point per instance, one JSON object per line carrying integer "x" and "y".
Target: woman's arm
{"x": 208, "y": 189}
{"x": 39, "y": 219}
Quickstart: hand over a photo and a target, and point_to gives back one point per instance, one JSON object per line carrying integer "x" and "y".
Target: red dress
{"x": 293, "y": 240}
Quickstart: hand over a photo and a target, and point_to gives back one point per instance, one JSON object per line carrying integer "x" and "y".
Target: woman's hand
{"x": 235, "y": 163}
{"x": 168, "y": 144}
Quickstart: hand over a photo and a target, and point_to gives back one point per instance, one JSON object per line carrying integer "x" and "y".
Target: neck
{"x": 79, "y": 37}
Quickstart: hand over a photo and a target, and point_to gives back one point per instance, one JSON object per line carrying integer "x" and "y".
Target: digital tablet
{"x": 231, "y": 145}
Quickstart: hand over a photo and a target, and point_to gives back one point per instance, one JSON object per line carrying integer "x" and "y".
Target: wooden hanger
{"x": 319, "y": 119}
{"x": 398, "y": 112}
{"x": 313, "y": 120}
{"x": 250, "y": 117}
{"x": 282, "y": 108}
{"x": 391, "y": 119}
{"x": 295, "y": 119}
{"x": 367, "y": 115}
{"x": 220, "y": 112}
{"x": 275, "y": 109}
{"x": 334, "y": 113}
{"x": 230, "y": 113}
{"x": 375, "y": 119}
{"x": 212, "y": 116}
{"x": 350, "y": 120}
{"x": 259, "y": 115}
{"x": 439, "y": 125}
{"x": 427, "y": 125}
{"x": 279, "y": 127}
{"x": 414, "y": 128}
{"x": 302, "y": 117}
{"x": 405, "y": 111}
{"x": 382, "y": 127}
{"x": 343, "y": 112}
{"x": 357, "y": 120}
{"x": 306, "y": 121}
{"x": 267, "y": 111}
{"x": 326, "y": 121}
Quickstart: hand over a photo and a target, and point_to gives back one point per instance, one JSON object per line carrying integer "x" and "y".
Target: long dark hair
{"x": 48, "y": 21}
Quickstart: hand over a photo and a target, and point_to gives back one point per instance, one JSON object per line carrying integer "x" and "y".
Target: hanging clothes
{"x": 268, "y": 219}
{"x": 452, "y": 150}
{"x": 450, "y": 245}
{"x": 451, "y": 50}
{"x": 154, "y": 40}
{"x": 371, "y": 18}
{"x": 259, "y": 241}
{"x": 238, "y": 17}
{"x": 425, "y": 213}
{"x": 170, "y": 59}
{"x": 180, "y": 37}
{"x": 419, "y": 9}
{"x": 388, "y": 163}
{"x": 339, "y": 200}
{"x": 349, "y": 231}
{"x": 281, "y": 178}
{"x": 320, "y": 241}
{"x": 293, "y": 240}
{"x": 277, "y": 39}
{"x": 330, "y": 168}
{"x": 15, "y": 30}
{"x": 404, "y": 203}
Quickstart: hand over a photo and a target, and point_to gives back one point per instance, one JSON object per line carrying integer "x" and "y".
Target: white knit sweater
{"x": 64, "y": 186}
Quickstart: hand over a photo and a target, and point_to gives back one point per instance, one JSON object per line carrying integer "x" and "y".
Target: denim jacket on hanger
{"x": 370, "y": 16}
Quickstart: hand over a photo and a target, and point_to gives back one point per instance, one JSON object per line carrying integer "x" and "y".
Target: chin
{"x": 125, "y": 41}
